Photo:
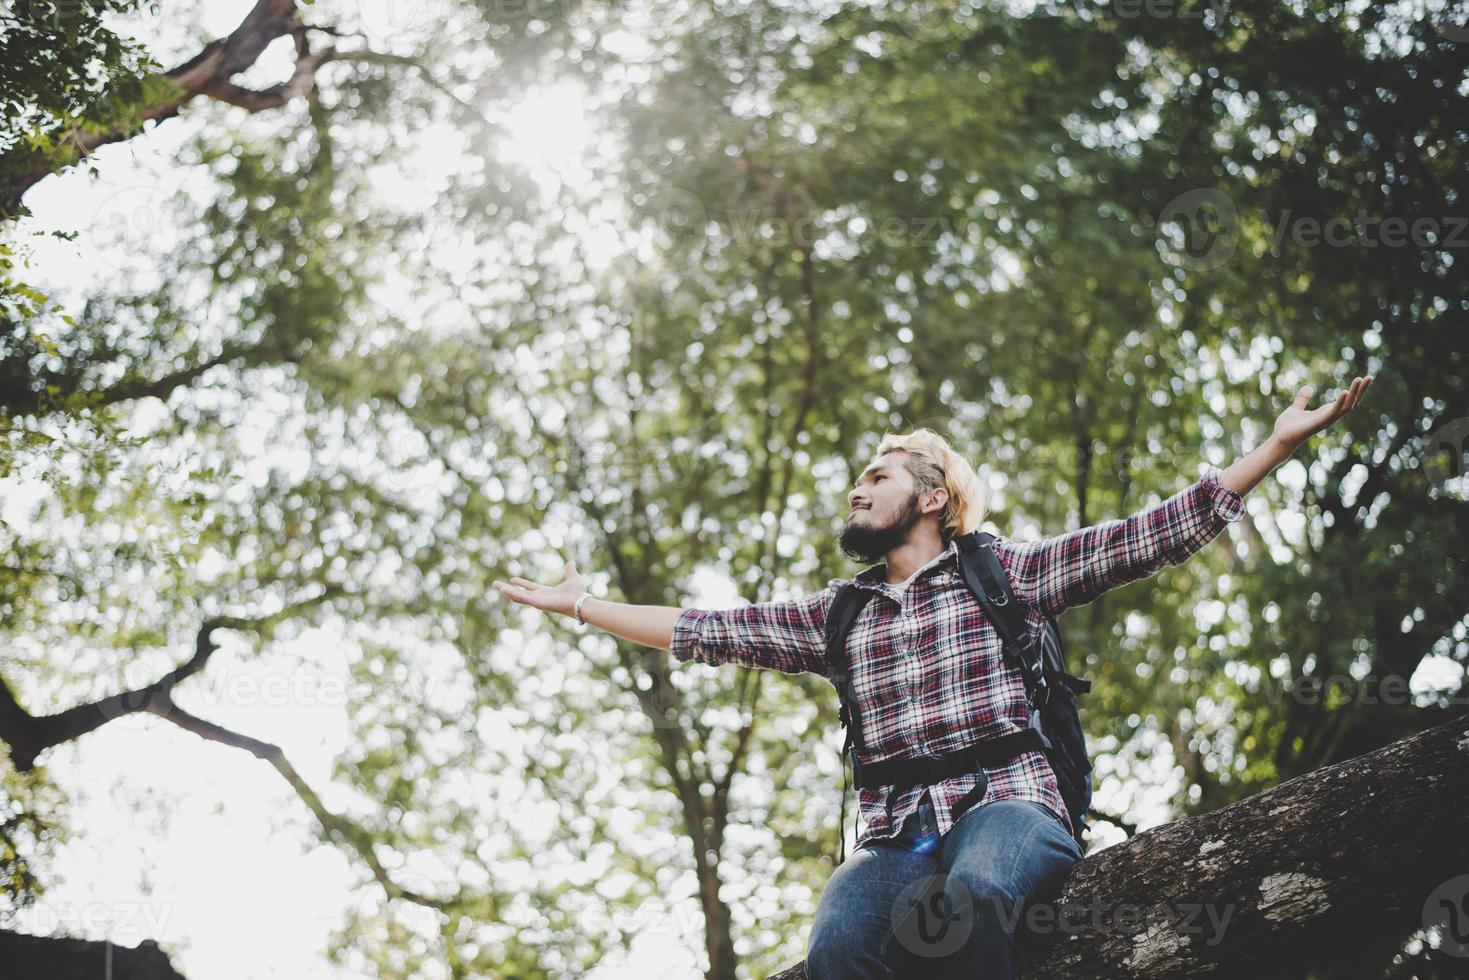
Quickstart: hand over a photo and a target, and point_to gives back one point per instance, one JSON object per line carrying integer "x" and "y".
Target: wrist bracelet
{"x": 584, "y": 597}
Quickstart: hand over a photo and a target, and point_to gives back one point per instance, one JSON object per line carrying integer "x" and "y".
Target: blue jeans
{"x": 923, "y": 906}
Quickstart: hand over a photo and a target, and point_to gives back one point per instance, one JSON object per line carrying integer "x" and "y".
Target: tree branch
{"x": 209, "y": 73}
{"x": 337, "y": 829}
{"x": 1261, "y": 887}
{"x": 29, "y": 735}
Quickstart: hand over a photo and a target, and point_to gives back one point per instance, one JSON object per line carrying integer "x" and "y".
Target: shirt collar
{"x": 877, "y": 575}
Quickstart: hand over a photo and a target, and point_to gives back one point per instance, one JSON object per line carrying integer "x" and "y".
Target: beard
{"x": 868, "y": 543}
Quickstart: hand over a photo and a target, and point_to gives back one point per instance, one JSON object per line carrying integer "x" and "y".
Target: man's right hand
{"x": 560, "y": 598}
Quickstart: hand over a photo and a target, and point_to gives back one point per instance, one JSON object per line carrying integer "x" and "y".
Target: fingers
{"x": 1347, "y": 399}
{"x": 527, "y": 592}
{"x": 1350, "y": 397}
{"x": 1359, "y": 391}
{"x": 509, "y": 591}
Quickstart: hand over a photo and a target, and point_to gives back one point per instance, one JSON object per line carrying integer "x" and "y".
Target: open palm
{"x": 1299, "y": 423}
{"x": 559, "y": 598}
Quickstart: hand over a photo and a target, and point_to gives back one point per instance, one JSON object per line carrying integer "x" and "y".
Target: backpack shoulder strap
{"x": 986, "y": 578}
{"x": 848, "y": 603}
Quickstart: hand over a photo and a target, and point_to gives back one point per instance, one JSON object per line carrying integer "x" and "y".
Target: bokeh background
{"x": 434, "y": 293}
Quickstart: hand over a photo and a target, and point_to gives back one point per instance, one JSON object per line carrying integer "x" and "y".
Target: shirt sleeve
{"x": 1056, "y": 573}
{"x": 788, "y": 636}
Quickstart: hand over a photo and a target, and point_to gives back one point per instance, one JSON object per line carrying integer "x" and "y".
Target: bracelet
{"x": 584, "y": 597}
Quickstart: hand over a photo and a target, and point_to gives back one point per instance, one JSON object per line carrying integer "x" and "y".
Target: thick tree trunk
{"x": 1299, "y": 876}
{"x": 81, "y": 959}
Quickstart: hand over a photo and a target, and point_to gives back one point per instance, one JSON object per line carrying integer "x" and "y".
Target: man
{"x": 941, "y": 872}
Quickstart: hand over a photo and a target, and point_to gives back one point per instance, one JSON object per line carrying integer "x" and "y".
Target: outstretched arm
{"x": 1057, "y": 573}
{"x": 652, "y": 626}
{"x": 789, "y": 635}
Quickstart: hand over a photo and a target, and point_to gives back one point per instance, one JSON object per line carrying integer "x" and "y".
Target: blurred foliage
{"x": 382, "y": 352}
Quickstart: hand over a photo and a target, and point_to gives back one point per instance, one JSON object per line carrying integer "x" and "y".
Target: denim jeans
{"x": 919, "y": 905}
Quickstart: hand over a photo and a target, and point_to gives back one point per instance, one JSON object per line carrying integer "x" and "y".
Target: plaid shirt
{"x": 926, "y": 664}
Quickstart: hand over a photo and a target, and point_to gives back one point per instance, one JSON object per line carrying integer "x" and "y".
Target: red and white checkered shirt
{"x": 926, "y": 664}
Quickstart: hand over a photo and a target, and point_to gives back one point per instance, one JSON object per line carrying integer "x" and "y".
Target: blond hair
{"x": 934, "y": 464}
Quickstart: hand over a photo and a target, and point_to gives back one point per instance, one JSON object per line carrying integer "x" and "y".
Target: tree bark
{"x": 209, "y": 73}
{"x": 1292, "y": 879}
{"x": 81, "y": 959}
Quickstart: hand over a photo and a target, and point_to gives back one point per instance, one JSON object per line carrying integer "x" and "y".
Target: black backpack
{"x": 1055, "y": 724}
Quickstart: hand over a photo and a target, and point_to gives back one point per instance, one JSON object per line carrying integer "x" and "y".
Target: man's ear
{"x": 941, "y": 495}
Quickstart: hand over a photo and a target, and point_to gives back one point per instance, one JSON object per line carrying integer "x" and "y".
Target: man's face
{"x": 883, "y": 510}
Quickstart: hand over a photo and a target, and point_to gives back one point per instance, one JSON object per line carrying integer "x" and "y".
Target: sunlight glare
{"x": 550, "y": 135}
